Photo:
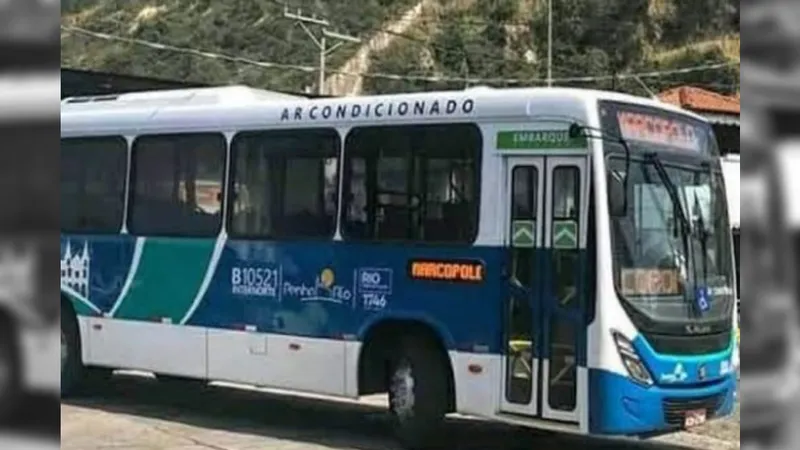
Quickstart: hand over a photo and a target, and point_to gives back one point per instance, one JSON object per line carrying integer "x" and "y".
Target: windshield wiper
{"x": 703, "y": 233}
{"x": 702, "y": 236}
{"x": 671, "y": 190}
{"x": 685, "y": 226}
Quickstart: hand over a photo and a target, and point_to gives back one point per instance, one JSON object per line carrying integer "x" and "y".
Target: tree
{"x": 592, "y": 38}
{"x": 701, "y": 19}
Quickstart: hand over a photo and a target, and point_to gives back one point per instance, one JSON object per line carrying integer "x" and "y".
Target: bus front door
{"x": 544, "y": 322}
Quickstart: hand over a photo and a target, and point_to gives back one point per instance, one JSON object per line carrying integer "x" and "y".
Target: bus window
{"x": 176, "y": 181}
{"x": 412, "y": 183}
{"x": 284, "y": 184}
{"x": 93, "y": 172}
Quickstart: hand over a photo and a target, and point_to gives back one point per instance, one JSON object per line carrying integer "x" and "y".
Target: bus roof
{"x": 239, "y": 107}
{"x": 177, "y": 97}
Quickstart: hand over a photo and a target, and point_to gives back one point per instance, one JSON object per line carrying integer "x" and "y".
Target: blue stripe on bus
{"x": 273, "y": 286}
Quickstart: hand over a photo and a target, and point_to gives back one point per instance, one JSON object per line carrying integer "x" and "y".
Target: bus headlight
{"x": 633, "y": 364}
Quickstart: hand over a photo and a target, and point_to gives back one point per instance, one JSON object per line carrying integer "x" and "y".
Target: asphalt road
{"x": 135, "y": 413}
{"x": 141, "y": 414}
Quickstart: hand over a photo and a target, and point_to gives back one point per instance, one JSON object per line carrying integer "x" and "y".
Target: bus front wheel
{"x": 418, "y": 392}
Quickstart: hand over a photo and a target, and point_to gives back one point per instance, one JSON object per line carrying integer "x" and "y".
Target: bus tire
{"x": 72, "y": 369}
{"x": 10, "y": 377}
{"x": 418, "y": 390}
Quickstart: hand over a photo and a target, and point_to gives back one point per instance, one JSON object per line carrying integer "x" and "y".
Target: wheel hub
{"x": 402, "y": 390}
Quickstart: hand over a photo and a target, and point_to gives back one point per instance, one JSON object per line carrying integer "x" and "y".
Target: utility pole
{"x": 322, "y": 41}
{"x": 549, "y": 43}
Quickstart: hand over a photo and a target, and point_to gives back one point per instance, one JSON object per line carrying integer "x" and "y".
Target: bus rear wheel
{"x": 72, "y": 369}
{"x": 418, "y": 392}
{"x": 9, "y": 370}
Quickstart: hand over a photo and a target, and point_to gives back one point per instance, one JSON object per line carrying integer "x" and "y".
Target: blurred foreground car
{"x": 29, "y": 217}
{"x": 769, "y": 319}
{"x": 29, "y": 21}
{"x": 29, "y": 34}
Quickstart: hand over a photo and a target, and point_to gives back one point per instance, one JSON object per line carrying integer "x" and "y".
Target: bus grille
{"x": 689, "y": 345}
{"x": 675, "y": 408}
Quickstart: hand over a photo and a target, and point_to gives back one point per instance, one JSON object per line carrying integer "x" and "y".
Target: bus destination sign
{"x": 659, "y": 130}
{"x": 453, "y": 271}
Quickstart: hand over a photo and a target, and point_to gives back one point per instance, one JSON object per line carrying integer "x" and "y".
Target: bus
{"x": 28, "y": 166}
{"x": 552, "y": 258}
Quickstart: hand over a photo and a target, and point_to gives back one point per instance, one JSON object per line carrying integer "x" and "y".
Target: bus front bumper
{"x": 619, "y": 406}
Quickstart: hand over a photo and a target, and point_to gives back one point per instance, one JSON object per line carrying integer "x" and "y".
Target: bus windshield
{"x": 659, "y": 263}
{"x": 671, "y": 239}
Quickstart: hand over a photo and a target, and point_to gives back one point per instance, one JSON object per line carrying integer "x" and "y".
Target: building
{"x": 722, "y": 111}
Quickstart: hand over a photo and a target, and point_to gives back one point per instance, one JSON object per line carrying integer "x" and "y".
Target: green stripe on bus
{"x": 539, "y": 139}
{"x": 170, "y": 273}
{"x": 80, "y": 307}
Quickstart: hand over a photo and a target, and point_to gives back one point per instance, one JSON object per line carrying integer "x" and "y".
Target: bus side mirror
{"x": 575, "y": 131}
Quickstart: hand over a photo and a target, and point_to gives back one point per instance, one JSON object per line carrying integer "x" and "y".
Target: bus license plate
{"x": 694, "y": 418}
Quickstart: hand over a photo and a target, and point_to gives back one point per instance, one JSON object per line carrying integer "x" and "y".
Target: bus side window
{"x": 286, "y": 184}
{"x": 93, "y": 172}
{"x": 566, "y": 209}
{"x": 174, "y": 184}
{"x": 412, "y": 183}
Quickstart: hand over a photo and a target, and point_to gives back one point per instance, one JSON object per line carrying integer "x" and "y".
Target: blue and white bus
{"x": 556, "y": 258}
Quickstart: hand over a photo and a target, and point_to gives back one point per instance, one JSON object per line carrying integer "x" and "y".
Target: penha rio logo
{"x": 454, "y": 271}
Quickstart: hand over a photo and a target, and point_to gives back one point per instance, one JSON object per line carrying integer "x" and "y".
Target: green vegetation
{"x": 462, "y": 39}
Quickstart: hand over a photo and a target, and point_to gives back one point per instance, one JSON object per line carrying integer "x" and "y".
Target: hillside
{"x": 408, "y": 44}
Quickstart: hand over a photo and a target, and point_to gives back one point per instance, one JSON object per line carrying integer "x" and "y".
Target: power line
{"x": 389, "y": 76}
{"x": 322, "y": 41}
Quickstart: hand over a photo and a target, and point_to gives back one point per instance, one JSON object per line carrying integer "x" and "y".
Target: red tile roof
{"x": 701, "y": 100}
